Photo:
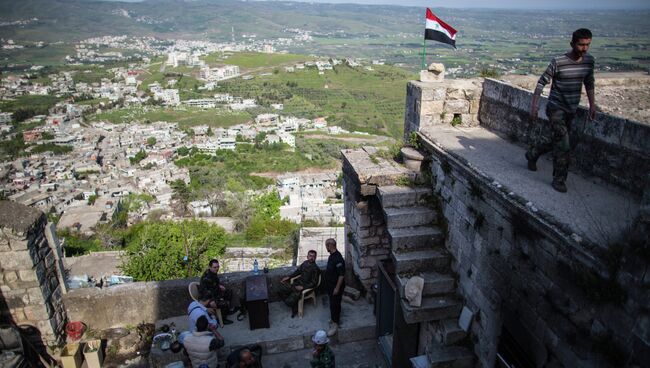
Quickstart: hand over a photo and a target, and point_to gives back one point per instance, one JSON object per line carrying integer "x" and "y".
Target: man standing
{"x": 210, "y": 287}
{"x": 308, "y": 278}
{"x": 568, "y": 73}
{"x": 334, "y": 283}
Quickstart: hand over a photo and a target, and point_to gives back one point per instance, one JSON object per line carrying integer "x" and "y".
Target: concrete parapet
{"x": 612, "y": 148}
{"x": 132, "y": 303}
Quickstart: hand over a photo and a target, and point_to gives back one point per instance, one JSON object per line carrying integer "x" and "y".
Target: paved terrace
{"x": 288, "y": 342}
{"x": 591, "y": 209}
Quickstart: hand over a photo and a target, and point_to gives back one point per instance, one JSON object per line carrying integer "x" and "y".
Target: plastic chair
{"x": 306, "y": 294}
{"x": 193, "y": 289}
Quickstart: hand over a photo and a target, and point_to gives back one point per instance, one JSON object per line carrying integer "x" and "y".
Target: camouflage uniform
{"x": 560, "y": 125}
{"x": 324, "y": 360}
{"x": 308, "y": 279}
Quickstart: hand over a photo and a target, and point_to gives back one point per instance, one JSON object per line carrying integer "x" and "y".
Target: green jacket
{"x": 308, "y": 275}
{"x": 324, "y": 360}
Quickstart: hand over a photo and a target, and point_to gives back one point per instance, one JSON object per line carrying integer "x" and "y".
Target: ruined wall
{"x": 610, "y": 147}
{"x": 452, "y": 101}
{"x": 150, "y": 301}
{"x": 366, "y": 241}
{"x": 30, "y": 289}
{"x": 567, "y": 303}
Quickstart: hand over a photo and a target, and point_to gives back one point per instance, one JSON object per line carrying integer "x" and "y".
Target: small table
{"x": 257, "y": 302}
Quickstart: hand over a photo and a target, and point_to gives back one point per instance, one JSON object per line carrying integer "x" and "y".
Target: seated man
{"x": 246, "y": 357}
{"x": 198, "y": 309}
{"x": 210, "y": 287}
{"x": 202, "y": 346}
{"x": 308, "y": 272}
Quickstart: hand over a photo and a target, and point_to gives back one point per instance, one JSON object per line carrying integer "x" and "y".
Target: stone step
{"x": 401, "y": 196}
{"x": 434, "y": 283}
{"x": 448, "y": 332}
{"x": 409, "y": 217}
{"x": 450, "y": 357}
{"x": 418, "y": 237}
{"x": 433, "y": 308}
{"x": 419, "y": 261}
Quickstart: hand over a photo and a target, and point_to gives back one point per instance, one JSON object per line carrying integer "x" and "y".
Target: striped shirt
{"x": 567, "y": 76}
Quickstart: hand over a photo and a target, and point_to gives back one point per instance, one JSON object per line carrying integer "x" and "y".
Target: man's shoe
{"x": 560, "y": 186}
{"x": 226, "y": 321}
{"x": 334, "y": 328}
{"x": 532, "y": 164}
{"x": 294, "y": 312}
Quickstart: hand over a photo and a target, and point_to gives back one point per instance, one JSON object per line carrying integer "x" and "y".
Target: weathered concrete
{"x": 130, "y": 304}
{"x": 612, "y": 148}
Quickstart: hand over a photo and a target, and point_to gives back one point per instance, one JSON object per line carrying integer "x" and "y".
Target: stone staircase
{"x": 417, "y": 245}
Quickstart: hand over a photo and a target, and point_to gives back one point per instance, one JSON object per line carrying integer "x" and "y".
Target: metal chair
{"x": 193, "y": 289}
{"x": 307, "y": 294}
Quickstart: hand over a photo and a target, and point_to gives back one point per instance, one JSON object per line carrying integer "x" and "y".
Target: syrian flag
{"x": 437, "y": 30}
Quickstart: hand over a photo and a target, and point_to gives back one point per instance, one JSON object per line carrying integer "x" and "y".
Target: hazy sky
{"x": 507, "y": 4}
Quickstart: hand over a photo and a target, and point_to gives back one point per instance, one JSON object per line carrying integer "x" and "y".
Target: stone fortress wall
{"x": 31, "y": 286}
{"x": 565, "y": 302}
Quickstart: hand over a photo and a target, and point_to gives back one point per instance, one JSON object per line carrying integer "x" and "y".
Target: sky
{"x": 507, "y": 4}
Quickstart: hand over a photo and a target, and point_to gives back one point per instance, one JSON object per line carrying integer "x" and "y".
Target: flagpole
{"x": 424, "y": 41}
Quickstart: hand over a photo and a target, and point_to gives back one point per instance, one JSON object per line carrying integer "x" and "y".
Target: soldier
{"x": 334, "y": 284}
{"x": 322, "y": 355}
{"x": 308, "y": 272}
{"x": 568, "y": 73}
{"x": 210, "y": 287}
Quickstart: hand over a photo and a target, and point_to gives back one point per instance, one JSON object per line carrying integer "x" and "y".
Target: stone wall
{"x": 31, "y": 292}
{"x": 130, "y": 304}
{"x": 610, "y": 147}
{"x": 366, "y": 237}
{"x": 565, "y": 302}
{"x": 433, "y": 103}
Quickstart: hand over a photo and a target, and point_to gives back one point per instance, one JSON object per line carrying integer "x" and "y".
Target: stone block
{"x": 435, "y": 93}
{"x": 428, "y": 121}
{"x": 457, "y": 106}
{"x": 432, "y": 108}
{"x": 474, "y": 106}
{"x": 19, "y": 260}
{"x": 352, "y": 293}
{"x": 427, "y": 76}
{"x": 36, "y": 312}
{"x": 10, "y": 276}
{"x": 35, "y": 295}
{"x": 27, "y": 275}
{"x": 18, "y": 244}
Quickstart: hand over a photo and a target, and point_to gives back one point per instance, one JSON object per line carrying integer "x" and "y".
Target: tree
{"x": 151, "y": 141}
{"x": 181, "y": 197}
{"x": 141, "y": 155}
{"x": 171, "y": 250}
{"x": 183, "y": 151}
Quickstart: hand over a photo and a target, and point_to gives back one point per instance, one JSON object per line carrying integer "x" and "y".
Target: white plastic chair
{"x": 306, "y": 294}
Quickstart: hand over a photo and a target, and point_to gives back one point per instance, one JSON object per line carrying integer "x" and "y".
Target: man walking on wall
{"x": 568, "y": 73}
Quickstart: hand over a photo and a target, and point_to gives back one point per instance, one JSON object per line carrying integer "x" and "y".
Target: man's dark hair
{"x": 312, "y": 251}
{"x": 213, "y": 261}
{"x": 580, "y": 34}
{"x": 202, "y": 324}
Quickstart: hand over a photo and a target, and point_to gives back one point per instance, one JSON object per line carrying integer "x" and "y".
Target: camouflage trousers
{"x": 290, "y": 295}
{"x": 558, "y": 142}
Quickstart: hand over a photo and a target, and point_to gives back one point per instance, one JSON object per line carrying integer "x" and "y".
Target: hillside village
{"x": 104, "y": 163}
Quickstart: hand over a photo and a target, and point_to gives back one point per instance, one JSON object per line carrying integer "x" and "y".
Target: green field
{"x": 185, "y": 116}
{"x": 250, "y": 60}
{"x": 353, "y": 98}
